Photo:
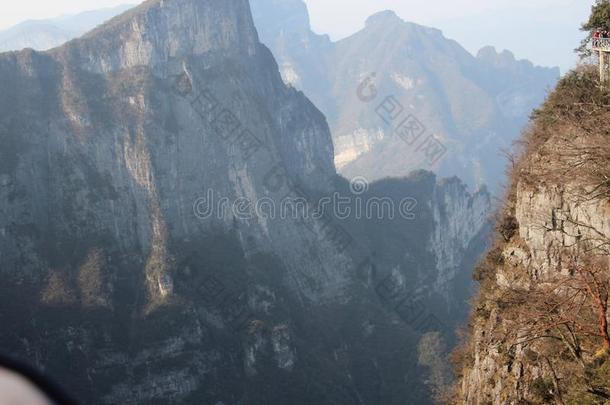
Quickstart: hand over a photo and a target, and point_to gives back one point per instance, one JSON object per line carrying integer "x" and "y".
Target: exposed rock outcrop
{"x": 536, "y": 328}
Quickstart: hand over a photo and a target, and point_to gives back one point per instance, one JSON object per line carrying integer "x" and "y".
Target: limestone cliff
{"x": 537, "y": 328}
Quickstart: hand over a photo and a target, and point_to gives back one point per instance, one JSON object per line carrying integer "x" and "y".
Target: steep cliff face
{"x": 285, "y": 27}
{"x": 461, "y": 227}
{"x": 111, "y": 282}
{"x": 431, "y": 252}
{"x": 535, "y": 329}
{"x": 122, "y": 138}
{"x": 135, "y": 266}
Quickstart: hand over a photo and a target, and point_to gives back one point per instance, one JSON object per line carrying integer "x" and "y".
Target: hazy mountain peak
{"x": 283, "y": 15}
{"x": 388, "y": 19}
{"x": 46, "y": 34}
{"x": 475, "y": 103}
{"x": 506, "y": 60}
{"x": 491, "y": 54}
{"x": 383, "y": 17}
{"x": 85, "y": 20}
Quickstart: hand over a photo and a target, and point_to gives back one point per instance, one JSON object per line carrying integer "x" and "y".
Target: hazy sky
{"x": 544, "y": 31}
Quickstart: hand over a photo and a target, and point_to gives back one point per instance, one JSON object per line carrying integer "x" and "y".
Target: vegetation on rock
{"x": 539, "y": 327}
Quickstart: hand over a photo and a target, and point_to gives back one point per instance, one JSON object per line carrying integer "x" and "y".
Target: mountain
{"x": 47, "y": 34}
{"x": 400, "y": 96}
{"x": 538, "y": 332}
{"x": 462, "y": 110}
{"x": 163, "y": 236}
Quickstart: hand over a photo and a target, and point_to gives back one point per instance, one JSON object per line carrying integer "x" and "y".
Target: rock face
{"x": 474, "y": 106}
{"x": 535, "y": 327}
{"x": 134, "y": 268}
{"x": 461, "y": 220}
{"x": 542, "y": 251}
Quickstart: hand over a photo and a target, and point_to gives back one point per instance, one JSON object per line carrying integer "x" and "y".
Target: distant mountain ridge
{"x": 46, "y": 34}
{"x": 473, "y": 105}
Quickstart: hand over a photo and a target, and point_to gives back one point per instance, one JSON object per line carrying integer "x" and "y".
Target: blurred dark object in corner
{"x": 21, "y": 384}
